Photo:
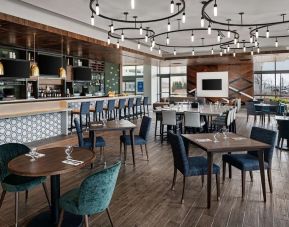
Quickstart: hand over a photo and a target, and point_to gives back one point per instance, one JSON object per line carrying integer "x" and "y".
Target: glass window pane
{"x": 165, "y": 85}
{"x": 282, "y": 65}
{"x": 128, "y": 70}
{"x": 257, "y": 84}
{"x": 164, "y": 70}
{"x": 179, "y": 85}
{"x": 268, "y": 85}
{"x": 139, "y": 70}
{"x": 284, "y": 84}
{"x": 179, "y": 70}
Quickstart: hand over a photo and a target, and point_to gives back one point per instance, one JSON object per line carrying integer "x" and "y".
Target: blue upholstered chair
{"x": 189, "y": 166}
{"x": 15, "y": 183}
{"x": 87, "y": 142}
{"x": 97, "y": 110}
{"x": 250, "y": 160}
{"x": 129, "y": 109}
{"x": 93, "y": 196}
{"x": 145, "y": 105}
{"x": 283, "y": 129}
{"x": 138, "y": 107}
{"x": 110, "y": 109}
{"x": 140, "y": 139}
{"x": 84, "y": 110}
{"x": 121, "y": 108}
{"x": 253, "y": 110}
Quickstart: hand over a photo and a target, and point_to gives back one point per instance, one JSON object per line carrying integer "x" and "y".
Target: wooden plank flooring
{"x": 143, "y": 196}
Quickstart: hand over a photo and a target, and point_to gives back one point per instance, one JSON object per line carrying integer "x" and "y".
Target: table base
{"x": 44, "y": 220}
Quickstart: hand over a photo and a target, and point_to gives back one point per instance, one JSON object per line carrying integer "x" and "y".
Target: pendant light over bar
{"x": 172, "y": 7}
{"x": 132, "y": 4}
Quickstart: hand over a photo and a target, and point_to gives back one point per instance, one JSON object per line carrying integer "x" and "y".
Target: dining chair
{"x": 169, "y": 119}
{"x": 129, "y": 112}
{"x": 120, "y": 108}
{"x": 283, "y": 129}
{"x": 93, "y": 196}
{"x": 251, "y": 110}
{"x": 97, "y": 110}
{"x": 189, "y": 166}
{"x": 87, "y": 142}
{"x": 110, "y": 109}
{"x": 250, "y": 161}
{"x": 15, "y": 183}
{"x": 145, "y": 104}
{"x": 84, "y": 110}
{"x": 140, "y": 139}
{"x": 193, "y": 121}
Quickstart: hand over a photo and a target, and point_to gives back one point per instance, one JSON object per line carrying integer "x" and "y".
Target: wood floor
{"x": 143, "y": 197}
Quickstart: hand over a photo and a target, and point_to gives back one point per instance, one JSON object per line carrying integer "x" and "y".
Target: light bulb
{"x": 108, "y": 40}
{"x": 235, "y": 40}
{"x": 97, "y": 9}
{"x": 168, "y": 40}
{"x": 228, "y": 48}
{"x": 111, "y": 28}
{"x": 258, "y": 50}
{"x": 146, "y": 38}
{"x": 219, "y": 38}
{"x": 92, "y": 20}
{"x": 256, "y": 43}
{"x": 234, "y": 54}
{"x": 267, "y": 34}
{"x": 184, "y": 18}
{"x": 251, "y": 39}
{"x": 221, "y": 53}
{"x": 276, "y": 43}
{"x": 132, "y": 4}
{"x": 229, "y": 34}
{"x": 138, "y": 45}
{"x": 140, "y": 30}
{"x": 151, "y": 48}
{"x": 215, "y": 9}
{"x": 257, "y": 34}
{"x": 117, "y": 44}
{"x": 169, "y": 26}
{"x": 122, "y": 37}
{"x": 153, "y": 43}
{"x": 212, "y": 51}
{"x": 209, "y": 30}
{"x": 160, "y": 51}
{"x": 193, "y": 52}
{"x": 192, "y": 37}
{"x": 225, "y": 51}
{"x": 175, "y": 52}
{"x": 202, "y": 22}
{"x": 238, "y": 45}
{"x": 172, "y": 7}
{"x": 244, "y": 48}
{"x": 252, "y": 52}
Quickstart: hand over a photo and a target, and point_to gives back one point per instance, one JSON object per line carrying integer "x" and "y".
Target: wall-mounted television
{"x": 82, "y": 73}
{"x": 212, "y": 84}
{"x": 16, "y": 68}
{"x": 49, "y": 65}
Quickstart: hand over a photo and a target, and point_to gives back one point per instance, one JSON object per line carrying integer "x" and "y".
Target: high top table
{"x": 234, "y": 143}
{"x": 51, "y": 165}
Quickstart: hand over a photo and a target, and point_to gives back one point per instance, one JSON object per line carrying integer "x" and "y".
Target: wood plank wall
{"x": 240, "y": 77}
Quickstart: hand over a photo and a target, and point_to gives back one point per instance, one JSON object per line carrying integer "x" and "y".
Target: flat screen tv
{"x": 212, "y": 84}
{"x": 16, "y": 68}
{"x": 49, "y": 65}
{"x": 82, "y": 73}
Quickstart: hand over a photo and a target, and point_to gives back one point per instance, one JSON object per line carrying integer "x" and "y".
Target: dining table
{"x": 114, "y": 125}
{"x": 214, "y": 143}
{"x": 52, "y": 163}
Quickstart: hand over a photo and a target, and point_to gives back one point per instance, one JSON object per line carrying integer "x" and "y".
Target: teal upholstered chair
{"x": 93, "y": 196}
{"x": 15, "y": 183}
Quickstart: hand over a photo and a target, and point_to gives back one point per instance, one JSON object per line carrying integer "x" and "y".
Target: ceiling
{"x": 257, "y": 11}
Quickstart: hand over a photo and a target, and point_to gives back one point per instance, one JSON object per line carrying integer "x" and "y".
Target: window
{"x": 132, "y": 79}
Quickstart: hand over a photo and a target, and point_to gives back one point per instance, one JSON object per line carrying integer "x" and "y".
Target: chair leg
{"x": 26, "y": 196}
{"x": 162, "y": 133}
{"x": 109, "y": 217}
{"x": 243, "y": 184}
{"x": 224, "y": 171}
{"x": 141, "y": 149}
{"x": 2, "y": 198}
{"x": 86, "y": 220}
{"x": 60, "y": 218}
{"x": 46, "y": 193}
{"x": 218, "y": 186}
{"x": 174, "y": 179}
{"x": 251, "y": 175}
{"x": 147, "y": 153}
{"x": 282, "y": 141}
{"x": 202, "y": 177}
{"x": 16, "y": 208}
{"x": 125, "y": 152}
{"x": 184, "y": 185}
{"x": 120, "y": 149}
{"x": 269, "y": 172}
{"x": 230, "y": 171}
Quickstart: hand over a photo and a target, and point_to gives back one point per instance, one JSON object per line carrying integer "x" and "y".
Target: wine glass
{"x": 225, "y": 132}
{"x": 68, "y": 151}
{"x": 33, "y": 154}
{"x": 215, "y": 137}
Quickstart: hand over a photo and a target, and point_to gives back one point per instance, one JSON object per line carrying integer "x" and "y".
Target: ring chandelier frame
{"x": 242, "y": 43}
{"x": 148, "y": 31}
{"x": 253, "y": 33}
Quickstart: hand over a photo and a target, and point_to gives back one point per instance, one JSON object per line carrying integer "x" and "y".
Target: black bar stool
{"x": 97, "y": 110}
{"x": 145, "y": 104}
{"x": 110, "y": 110}
{"x": 84, "y": 110}
{"x": 121, "y": 108}
{"x": 129, "y": 108}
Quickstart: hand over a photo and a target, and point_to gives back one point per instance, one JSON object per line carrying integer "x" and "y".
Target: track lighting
{"x": 172, "y": 8}
{"x": 184, "y": 18}
{"x": 175, "y": 52}
{"x": 140, "y": 30}
{"x": 209, "y": 29}
{"x": 202, "y": 22}
{"x": 132, "y": 4}
{"x": 212, "y": 51}
{"x": 215, "y": 9}
{"x": 92, "y": 19}
{"x": 276, "y": 43}
{"x": 192, "y": 37}
{"x": 97, "y": 9}
{"x": 267, "y": 33}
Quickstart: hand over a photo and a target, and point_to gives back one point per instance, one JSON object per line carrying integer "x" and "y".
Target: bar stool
{"x": 137, "y": 106}
{"x": 97, "y": 110}
{"x": 129, "y": 109}
{"x": 121, "y": 108}
{"x": 145, "y": 104}
{"x": 84, "y": 110}
{"x": 110, "y": 110}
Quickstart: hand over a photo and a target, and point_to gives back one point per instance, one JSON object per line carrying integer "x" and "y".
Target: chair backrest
{"x": 8, "y": 152}
{"x": 145, "y": 127}
{"x": 111, "y": 104}
{"x": 264, "y": 136}
{"x": 181, "y": 161}
{"x": 79, "y": 132}
{"x": 250, "y": 106}
{"x": 283, "y": 127}
{"x": 97, "y": 189}
{"x": 195, "y": 105}
{"x": 99, "y": 106}
{"x": 121, "y": 103}
{"x": 192, "y": 119}
{"x": 138, "y": 101}
{"x": 169, "y": 117}
{"x": 84, "y": 107}
{"x": 130, "y": 102}
{"x": 145, "y": 100}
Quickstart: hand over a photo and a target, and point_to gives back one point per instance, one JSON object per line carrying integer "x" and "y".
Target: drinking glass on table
{"x": 33, "y": 154}
{"x": 215, "y": 137}
{"x": 68, "y": 150}
{"x": 225, "y": 132}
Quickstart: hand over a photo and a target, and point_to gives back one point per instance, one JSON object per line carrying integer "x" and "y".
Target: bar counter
{"x": 24, "y": 121}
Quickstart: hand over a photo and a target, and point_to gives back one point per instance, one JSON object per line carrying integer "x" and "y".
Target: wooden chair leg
{"x": 251, "y": 175}
{"x": 269, "y": 172}
{"x": 147, "y": 153}
{"x": 202, "y": 177}
{"x": 218, "y": 186}
{"x": 46, "y": 193}
{"x": 86, "y": 220}
{"x": 224, "y": 171}
{"x": 2, "y": 198}
{"x": 174, "y": 179}
{"x": 243, "y": 183}
{"x": 60, "y": 218}
{"x": 16, "y": 208}
{"x": 26, "y": 196}
{"x": 109, "y": 217}
{"x": 184, "y": 185}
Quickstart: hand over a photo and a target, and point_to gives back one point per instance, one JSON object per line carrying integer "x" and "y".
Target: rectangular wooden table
{"x": 233, "y": 143}
{"x": 115, "y": 125}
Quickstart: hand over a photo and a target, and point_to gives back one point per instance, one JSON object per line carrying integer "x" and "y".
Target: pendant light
{"x": 193, "y": 52}
{"x": 267, "y": 33}
{"x": 140, "y": 30}
{"x": 122, "y": 36}
{"x": 34, "y": 68}
{"x": 258, "y": 49}
{"x": 212, "y": 51}
{"x": 257, "y": 34}
{"x": 138, "y": 45}
{"x": 153, "y": 43}
{"x": 244, "y": 48}
{"x": 238, "y": 44}
{"x": 221, "y": 53}
{"x": 108, "y": 40}
{"x": 169, "y": 26}
{"x": 215, "y": 9}
{"x": 146, "y": 38}
{"x": 202, "y": 22}
{"x": 62, "y": 71}
{"x": 172, "y": 7}
{"x": 160, "y": 51}
{"x": 252, "y": 52}
{"x": 219, "y": 38}
{"x": 92, "y": 20}
{"x": 209, "y": 29}
{"x": 151, "y": 48}
{"x": 192, "y": 37}
{"x": 175, "y": 52}
{"x": 276, "y": 43}
{"x": 111, "y": 28}
{"x": 132, "y": 4}
{"x": 168, "y": 39}
{"x": 234, "y": 54}
{"x": 251, "y": 39}
{"x": 117, "y": 44}
{"x": 228, "y": 48}
{"x": 97, "y": 8}
{"x": 235, "y": 40}
{"x": 184, "y": 18}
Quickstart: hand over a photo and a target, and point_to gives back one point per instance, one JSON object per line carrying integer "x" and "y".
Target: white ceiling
{"x": 256, "y": 11}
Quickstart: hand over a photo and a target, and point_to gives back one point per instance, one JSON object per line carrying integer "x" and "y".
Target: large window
{"x": 132, "y": 79}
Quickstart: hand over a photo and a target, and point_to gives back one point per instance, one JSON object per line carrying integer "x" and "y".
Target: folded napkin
{"x": 203, "y": 140}
{"x": 239, "y": 138}
{"x": 72, "y": 162}
{"x": 36, "y": 155}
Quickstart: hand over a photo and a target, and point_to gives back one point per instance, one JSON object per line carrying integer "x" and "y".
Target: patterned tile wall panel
{"x": 32, "y": 128}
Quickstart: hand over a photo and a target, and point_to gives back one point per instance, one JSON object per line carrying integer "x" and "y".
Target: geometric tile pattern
{"x": 32, "y": 128}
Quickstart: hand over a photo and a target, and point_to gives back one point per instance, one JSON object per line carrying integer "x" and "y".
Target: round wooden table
{"x": 51, "y": 165}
